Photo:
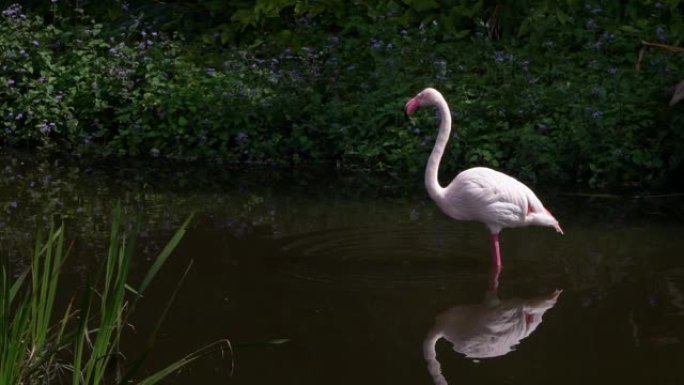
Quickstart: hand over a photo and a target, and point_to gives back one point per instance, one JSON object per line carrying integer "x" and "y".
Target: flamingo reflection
{"x": 489, "y": 329}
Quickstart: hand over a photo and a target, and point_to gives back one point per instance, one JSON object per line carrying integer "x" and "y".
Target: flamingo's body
{"x": 479, "y": 194}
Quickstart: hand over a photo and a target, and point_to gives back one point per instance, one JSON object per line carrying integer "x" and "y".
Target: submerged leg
{"x": 494, "y": 279}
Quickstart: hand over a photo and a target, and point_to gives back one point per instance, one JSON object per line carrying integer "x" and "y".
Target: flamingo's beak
{"x": 558, "y": 228}
{"x": 411, "y": 106}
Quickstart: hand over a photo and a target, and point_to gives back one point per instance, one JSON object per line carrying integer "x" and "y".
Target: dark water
{"x": 328, "y": 279}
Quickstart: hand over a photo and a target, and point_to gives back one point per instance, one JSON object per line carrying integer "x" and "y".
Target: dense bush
{"x": 127, "y": 93}
{"x": 546, "y": 91}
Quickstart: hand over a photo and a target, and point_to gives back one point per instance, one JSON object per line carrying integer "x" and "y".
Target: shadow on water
{"x": 336, "y": 279}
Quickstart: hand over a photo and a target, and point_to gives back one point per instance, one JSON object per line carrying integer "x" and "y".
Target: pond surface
{"x": 329, "y": 279}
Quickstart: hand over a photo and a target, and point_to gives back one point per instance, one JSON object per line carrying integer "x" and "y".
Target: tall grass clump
{"x": 80, "y": 345}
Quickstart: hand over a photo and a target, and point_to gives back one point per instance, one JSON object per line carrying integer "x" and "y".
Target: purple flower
{"x": 120, "y": 72}
{"x": 612, "y": 70}
{"x": 154, "y": 152}
{"x": 590, "y": 24}
{"x": 44, "y": 128}
{"x": 660, "y": 33}
{"x": 597, "y": 114}
{"x": 14, "y": 10}
{"x": 608, "y": 36}
{"x": 241, "y": 136}
{"x": 59, "y": 97}
{"x": 124, "y": 6}
{"x": 658, "y": 5}
{"x": 35, "y": 43}
{"x": 499, "y": 57}
{"x": 19, "y": 116}
{"x": 10, "y": 83}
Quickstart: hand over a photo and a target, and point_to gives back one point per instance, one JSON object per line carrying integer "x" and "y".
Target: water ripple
{"x": 381, "y": 257}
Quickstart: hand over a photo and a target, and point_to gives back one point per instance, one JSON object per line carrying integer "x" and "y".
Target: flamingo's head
{"x": 554, "y": 223}
{"x": 426, "y": 97}
{"x": 544, "y": 219}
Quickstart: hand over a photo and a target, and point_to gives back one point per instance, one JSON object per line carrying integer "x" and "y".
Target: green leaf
{"x": 562, "y": 17}
{"x": 17, "y": 285}
{"x": 461, "y": 34}
{"x": 216, "y": 347}
{"x": 164, "y": 255}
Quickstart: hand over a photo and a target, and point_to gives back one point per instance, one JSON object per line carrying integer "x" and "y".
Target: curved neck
{"x": 432, "y": 170}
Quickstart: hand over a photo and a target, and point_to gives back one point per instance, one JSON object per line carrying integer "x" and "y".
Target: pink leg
{"x": 496, "y": 254}
{"x": 496, "y": 263}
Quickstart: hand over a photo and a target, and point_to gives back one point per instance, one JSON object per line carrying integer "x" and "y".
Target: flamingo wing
{"x": 489, "y": 196}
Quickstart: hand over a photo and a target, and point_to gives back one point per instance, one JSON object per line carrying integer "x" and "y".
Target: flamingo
{"x": 478, "y": 194}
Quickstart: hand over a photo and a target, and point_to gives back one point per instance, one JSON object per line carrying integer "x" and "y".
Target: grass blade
{"x": 202, "y": 352}
{"x": 164, "y": 255}
{"x": 17, "y": 285}
{"x": 153, "y": 335}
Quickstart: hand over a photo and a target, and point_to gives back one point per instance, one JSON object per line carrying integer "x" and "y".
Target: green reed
{"x": 82, "y": 345}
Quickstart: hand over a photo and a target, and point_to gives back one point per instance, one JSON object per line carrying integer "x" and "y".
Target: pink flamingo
{"x": 479, "y": 193}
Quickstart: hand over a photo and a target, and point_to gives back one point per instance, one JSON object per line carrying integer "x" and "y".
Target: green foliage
{"x": 126, "y": 94}
{"x": 25, "y": 336}
{"x": 543, "y": 89}
{"x": 33, "y": 350}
